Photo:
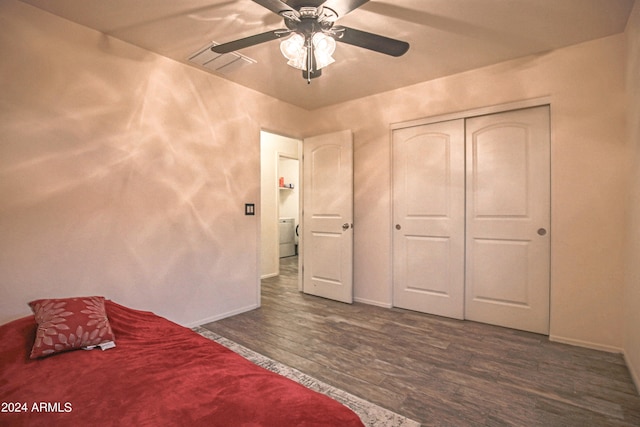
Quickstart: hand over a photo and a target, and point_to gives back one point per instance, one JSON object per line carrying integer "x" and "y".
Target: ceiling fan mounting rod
{"x": 309, "y": 12}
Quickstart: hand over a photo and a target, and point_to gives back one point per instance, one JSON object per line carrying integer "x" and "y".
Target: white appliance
{"x": 287, "y": 237}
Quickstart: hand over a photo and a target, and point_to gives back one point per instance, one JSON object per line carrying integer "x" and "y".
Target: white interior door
{"x": 508, "y": 219}
{"x": 428, "y": 235}
{"x": 327, "y": 216}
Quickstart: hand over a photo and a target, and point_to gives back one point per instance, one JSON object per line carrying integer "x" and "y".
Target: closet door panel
{"x": 508, "y": 219}
{"x": 428, "y": 233}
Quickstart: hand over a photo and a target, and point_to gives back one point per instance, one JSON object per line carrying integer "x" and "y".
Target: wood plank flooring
{"x": 437, "y": 371}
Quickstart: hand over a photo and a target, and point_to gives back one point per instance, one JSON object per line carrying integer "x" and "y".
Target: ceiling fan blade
{"x": 275, "y": 6}
{"x": 371, "y": 41}
{"x": 249, "y": 41}
{"x": 342, "y": 7}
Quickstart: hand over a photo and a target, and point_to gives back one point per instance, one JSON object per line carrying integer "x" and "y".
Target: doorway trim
{"x": 483, "y": 111}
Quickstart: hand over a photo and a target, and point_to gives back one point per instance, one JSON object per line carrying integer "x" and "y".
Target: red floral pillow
{"x": 69, "y": 324}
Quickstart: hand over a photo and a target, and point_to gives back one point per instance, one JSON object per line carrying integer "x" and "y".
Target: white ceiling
{"x": 446, "y": 37}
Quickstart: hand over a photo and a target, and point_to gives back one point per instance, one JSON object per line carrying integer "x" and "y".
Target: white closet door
{"x": 428, "y": 235}
{"x": 471, "y": 211}
{"x": 508, "y": 219}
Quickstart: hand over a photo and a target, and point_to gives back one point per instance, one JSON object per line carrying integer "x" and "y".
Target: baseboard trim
{"x": 221, "y": 316}
{"x": 371, "y": 302}
{"x": 586, "y": 344}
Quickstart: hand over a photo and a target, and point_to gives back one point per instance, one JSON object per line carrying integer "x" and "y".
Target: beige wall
{"x": 125, "y": 174}
{"x": 585, "y": 84}
{"x": 632, "y": 296}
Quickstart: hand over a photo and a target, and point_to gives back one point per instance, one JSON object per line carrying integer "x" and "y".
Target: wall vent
{"x": 220, "y": 63}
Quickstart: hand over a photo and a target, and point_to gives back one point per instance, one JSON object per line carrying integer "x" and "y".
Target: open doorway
{"x": 325, "y": 246}
{"x": 280, "y": 202}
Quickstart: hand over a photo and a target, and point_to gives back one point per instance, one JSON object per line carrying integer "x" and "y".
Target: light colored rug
{"x": 371, "y": 415}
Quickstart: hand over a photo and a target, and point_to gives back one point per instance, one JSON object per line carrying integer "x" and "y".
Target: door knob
{"x": 398, "y": 227}
{"x": 542, "y": 231}
{"x": 345, "y": 226}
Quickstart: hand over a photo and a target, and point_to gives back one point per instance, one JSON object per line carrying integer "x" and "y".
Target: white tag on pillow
{"x": 107, "y": 345}
{"x": 103, "y": 346}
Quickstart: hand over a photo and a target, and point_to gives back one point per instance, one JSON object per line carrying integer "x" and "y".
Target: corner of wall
{"x": 635, "y": 376}
{"x": 632, "y": 276}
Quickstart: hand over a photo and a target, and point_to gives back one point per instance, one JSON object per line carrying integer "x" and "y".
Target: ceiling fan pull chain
{"x": 309, "y": 61}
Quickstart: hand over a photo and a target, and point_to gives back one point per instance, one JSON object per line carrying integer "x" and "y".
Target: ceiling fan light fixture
{"x": 300, "y": 61}
{"x": 323, "y": 48}
{"x": 292, "y": 47}
{"x": 297, "y": 49}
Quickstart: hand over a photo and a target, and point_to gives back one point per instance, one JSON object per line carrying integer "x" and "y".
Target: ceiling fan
{"x": 310, "y": 25}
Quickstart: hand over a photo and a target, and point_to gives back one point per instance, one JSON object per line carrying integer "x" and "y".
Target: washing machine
{"x": 287, "y": 234}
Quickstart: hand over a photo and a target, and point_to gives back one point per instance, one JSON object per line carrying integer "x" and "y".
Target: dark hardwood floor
{"x": 435, "y": 370}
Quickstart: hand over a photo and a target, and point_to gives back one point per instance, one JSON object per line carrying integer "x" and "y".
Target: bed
{"x": 158, "y": 373}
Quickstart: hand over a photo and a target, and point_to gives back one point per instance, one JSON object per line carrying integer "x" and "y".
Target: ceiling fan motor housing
{"x": 309, "y": 21}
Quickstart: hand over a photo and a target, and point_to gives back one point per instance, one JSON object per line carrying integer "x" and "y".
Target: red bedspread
{"x": 160, "y": 374}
